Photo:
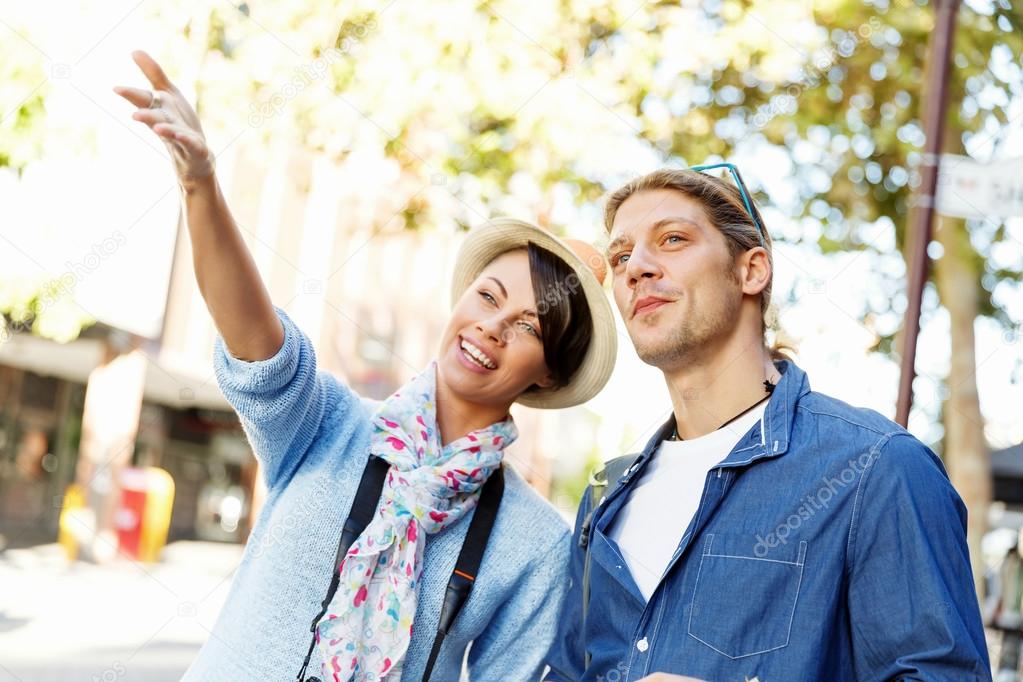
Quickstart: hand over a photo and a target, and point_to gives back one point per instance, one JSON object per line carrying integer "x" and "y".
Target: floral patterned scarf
{"x": 368, "y": 625}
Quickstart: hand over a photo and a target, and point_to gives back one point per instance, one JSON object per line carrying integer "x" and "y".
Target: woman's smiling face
{"x": 492, "y": 350}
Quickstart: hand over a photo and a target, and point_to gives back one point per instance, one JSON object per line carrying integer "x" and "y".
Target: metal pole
{"x": 934, "y": 99}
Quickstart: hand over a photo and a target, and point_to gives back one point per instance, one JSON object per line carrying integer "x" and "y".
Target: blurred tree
{"x": 38, "y": 303}
{"x": 852, "y": 109}
{"x": 22, "y": 95}
{"x": 865, "y": 99}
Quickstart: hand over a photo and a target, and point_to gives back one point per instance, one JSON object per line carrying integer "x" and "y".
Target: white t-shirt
{"x": 649, "y": 528}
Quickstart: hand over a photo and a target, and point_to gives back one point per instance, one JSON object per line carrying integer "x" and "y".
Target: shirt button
{"x": 642, "y": 645}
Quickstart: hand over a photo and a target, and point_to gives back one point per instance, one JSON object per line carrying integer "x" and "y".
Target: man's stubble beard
{"x": 687, "y": 341}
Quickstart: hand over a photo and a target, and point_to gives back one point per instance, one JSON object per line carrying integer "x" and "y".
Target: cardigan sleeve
{"x": 567, "y": 655}
{"x": 282, "y": 400}
{"x": 513, "y": 647}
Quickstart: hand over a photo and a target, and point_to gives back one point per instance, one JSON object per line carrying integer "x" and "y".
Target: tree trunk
{"x": 965, "y": 449}
{"x": 957, "y": 280}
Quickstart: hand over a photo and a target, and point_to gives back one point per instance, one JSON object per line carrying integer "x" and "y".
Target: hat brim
{"x": 488, "y": 241}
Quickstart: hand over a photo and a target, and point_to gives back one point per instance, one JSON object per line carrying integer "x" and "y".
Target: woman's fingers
{"x": 152, "y": 116}
{"x": 137, "y": 96}
{"x": 172, "y": 119}
{"x": 192, "y": 158}
{"x": 152, "y": 70}
{"x": 191, "y": 142}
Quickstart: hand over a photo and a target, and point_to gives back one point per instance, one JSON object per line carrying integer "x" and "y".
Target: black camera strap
{"x": 466, "y": 567}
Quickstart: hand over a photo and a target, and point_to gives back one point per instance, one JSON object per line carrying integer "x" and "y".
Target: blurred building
{"x": 371, "y": 295}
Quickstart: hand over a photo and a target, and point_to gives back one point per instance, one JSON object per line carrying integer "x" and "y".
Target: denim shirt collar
{"x": 772, "y": 442}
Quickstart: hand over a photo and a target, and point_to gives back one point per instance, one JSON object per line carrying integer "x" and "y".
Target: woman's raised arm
{"x": 224, "y": 269}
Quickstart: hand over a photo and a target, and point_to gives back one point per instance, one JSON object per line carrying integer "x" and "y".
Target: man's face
{"x": 675, "y": 281}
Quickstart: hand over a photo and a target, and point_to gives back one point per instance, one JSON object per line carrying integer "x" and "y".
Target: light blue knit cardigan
{"x": 311, "y": 434}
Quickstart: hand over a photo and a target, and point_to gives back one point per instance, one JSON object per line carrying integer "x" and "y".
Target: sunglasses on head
{"x": 742, "y": 191}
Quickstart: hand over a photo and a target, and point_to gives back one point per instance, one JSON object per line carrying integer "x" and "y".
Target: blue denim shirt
{"x": 829, "y": 545}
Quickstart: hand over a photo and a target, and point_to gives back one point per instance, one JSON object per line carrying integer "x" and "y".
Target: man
{"x": 766, "y": 531}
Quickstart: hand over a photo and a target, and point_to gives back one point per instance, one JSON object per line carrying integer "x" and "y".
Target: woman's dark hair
{"x": 566, "y": 325}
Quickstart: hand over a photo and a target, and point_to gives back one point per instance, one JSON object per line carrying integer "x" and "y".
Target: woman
{"x": 530, "y": 324}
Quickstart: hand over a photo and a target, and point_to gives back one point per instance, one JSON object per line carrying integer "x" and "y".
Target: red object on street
{"x": 131, "y": 511}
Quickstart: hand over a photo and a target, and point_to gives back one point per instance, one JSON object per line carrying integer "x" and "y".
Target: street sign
{"x": 970, "y": 189}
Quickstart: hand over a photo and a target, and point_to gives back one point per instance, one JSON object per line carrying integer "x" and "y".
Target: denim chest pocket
{"x": 743, "y": 605}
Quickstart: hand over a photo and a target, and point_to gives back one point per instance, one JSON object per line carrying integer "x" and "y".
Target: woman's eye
{"x": 619, "y": 259}
{"x": 488, "y": 297}
{"x": 676, "y": 237}
{"x": 529, "y": 329}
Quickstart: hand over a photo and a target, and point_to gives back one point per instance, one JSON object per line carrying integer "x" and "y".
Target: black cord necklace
{"x": 768, "y": 386}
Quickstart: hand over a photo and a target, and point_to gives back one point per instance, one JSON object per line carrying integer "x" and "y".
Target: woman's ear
{"x": 546, "y": 381}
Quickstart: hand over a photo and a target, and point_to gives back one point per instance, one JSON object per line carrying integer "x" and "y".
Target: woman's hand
{"x": 225, "y": 271}
{"x": 166, "y": 111}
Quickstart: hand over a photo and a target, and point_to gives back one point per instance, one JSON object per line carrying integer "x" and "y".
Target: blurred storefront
{"x": 204, "y": 450}
{"x": 40, "y": 422}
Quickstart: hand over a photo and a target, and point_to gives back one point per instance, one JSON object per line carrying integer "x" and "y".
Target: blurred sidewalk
{"x": 62, "y": 620}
